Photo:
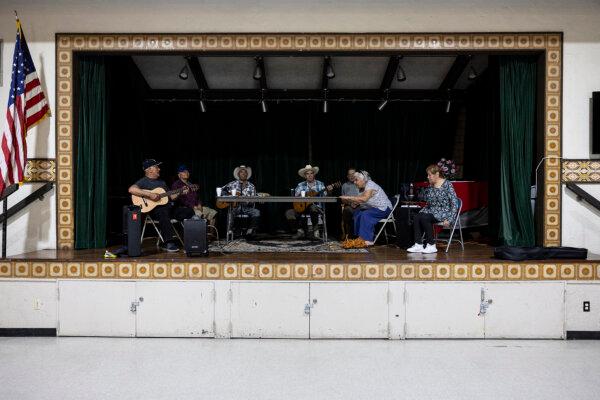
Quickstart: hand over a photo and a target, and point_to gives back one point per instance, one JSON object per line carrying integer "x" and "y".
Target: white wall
{"x": 578, "y": 20}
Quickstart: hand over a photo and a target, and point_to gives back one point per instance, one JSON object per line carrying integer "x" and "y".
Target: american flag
{"x": 27, "y": 105}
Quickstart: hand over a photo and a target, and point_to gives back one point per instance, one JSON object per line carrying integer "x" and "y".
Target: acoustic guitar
{"x": 148, "y": 205}
{"x": 300, "y": 206}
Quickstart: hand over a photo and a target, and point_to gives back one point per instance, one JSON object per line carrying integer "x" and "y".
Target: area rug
{"x": 282, "y": 246}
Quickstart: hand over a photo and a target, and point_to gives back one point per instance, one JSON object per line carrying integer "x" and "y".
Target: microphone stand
{"x": 533, "y": 194}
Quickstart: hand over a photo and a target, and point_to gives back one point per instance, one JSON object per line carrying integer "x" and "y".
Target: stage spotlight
{"x": 183, "y": 74}
{"x": 263, "y": 105}
{"x": 400, "y": 74}
{"x": 325, "y": 106}
{"x": 473, "y": 74}
{"x": 258, "y": 72}
{"x": 329, "y": 72}
{"x": 202, "y": 106}
{"x": 448, "y": 104}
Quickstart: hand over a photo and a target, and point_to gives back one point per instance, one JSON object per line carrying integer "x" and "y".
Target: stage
{"x": 382, "y": 262}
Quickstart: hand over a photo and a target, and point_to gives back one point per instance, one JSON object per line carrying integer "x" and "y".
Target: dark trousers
{"x": 181, "y": 213}
{"x": 348, "y": 220}
{"x": 423, "y": 222}
{"x": 295, "y": 219}
{"x": 162, "y": 214}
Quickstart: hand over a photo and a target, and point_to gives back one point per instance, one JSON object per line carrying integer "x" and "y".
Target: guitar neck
{"x": 176, "y": 191}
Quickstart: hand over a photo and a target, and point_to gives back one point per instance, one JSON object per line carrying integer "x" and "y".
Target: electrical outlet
{"x": 586, "y": 306}
{"x": 37, "y": 304}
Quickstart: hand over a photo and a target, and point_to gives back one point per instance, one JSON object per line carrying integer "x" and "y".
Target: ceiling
{"x": 299, "y": 72}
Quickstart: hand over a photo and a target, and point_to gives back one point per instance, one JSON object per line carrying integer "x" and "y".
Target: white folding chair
{"x": 159, "y": 239}
{"x": 389, "y": 218}
{"x": 452, "y": 228}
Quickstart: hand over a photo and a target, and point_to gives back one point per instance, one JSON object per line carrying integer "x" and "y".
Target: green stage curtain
{"x": 91, "y": 168}
{"x": 517, "y": 124}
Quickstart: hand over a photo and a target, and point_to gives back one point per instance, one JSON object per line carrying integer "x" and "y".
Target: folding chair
{"x": 159, "y": 239}
{"x": 452, "y": 228}
{"x": 389, "y": 218}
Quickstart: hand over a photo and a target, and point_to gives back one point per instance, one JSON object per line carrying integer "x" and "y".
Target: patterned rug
{"x": 282, "y": 246}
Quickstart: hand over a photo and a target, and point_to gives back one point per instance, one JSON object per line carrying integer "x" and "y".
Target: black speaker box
{"x": 194, "y": 237}
{"x": 132, "y": 230}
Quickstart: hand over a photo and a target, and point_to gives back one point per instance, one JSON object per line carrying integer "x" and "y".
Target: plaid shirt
{"x": 247, "y": 190}
{"x": 317, "y": 186}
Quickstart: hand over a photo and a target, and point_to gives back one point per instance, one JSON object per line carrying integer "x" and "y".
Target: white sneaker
{"x": 430, "y": 248}
{"x": 416, "y": 248}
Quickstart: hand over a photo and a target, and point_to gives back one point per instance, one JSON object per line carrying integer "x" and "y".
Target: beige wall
{"x": 579, "y": 20}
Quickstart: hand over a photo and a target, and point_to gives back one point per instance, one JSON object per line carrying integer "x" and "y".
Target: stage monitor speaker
{"x": 132, "y": 229}
{"x": 596, "y": 123}
{"x": 194, "y": 237}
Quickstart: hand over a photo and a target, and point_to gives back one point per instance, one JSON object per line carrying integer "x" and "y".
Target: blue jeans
{"x": 365, "y": 220}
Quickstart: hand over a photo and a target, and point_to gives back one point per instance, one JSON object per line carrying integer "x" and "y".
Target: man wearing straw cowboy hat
{"x": 313, "y": 209}
{"x": 242, "y": 187}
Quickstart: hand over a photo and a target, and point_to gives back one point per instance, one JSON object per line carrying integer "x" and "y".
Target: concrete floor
{"x": 112, "y": 368}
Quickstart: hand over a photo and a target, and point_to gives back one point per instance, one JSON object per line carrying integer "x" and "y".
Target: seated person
{"x": 191, "y": 200}
{"x": 160, "y": 213}
{"x": 442, "y": 206}
{"x": 375, "y": 205}
{"x": 243, "y": 187}
{"x": 313, "y": 209}
{"x": 349, "y": 188}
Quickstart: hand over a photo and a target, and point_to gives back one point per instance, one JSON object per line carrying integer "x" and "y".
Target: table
{"x": 272, "y": 199}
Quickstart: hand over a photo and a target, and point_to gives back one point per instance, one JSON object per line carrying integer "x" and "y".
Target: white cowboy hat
{"x": 236, "y": 172}
{"x": 302, "y": 171}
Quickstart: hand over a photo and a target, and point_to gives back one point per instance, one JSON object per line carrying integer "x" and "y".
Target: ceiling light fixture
{"x": 258, "y": 72}
{"x": 329, "y": 72}
{"x": 382, "y": 105}
{"x": 400, "y": 74}
{"x": 473, "y": 74}
{"x": 263, "y": 102}
{"x": 184, "y": 73}
{"x": 202, "y": 104}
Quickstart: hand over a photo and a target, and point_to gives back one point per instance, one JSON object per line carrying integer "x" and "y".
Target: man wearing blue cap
{"x": 191, "y": 200}
{"x": 161, "y": 213}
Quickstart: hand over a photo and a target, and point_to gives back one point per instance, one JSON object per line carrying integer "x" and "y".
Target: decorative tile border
{"x": 67, "y": 44}
{"x": 300, "y": 272}
{"x": 40, "y": 170}
{"x": 581, "y": 171}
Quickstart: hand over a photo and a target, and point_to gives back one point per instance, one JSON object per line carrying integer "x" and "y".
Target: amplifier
{"x": 194, "y": 237}
{"x": 132, "y": 229}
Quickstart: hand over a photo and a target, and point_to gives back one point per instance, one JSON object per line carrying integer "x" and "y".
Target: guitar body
{"x": 148, "y": 205}
{"x": 300, "y": 206}
{"x": 222, "y": 204}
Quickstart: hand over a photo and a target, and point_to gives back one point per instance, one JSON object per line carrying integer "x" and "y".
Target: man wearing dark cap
{"x": 191, "y": 200}
{"x": 161, "y": 213}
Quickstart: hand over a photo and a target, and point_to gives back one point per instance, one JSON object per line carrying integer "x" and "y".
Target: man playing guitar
{"x": 349, "y": 188}
{"x": 143, "y": 188}
{"x": 241, "y": 186}
{"x": 310, "y": 186}
{"x": 191, "y": 199}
